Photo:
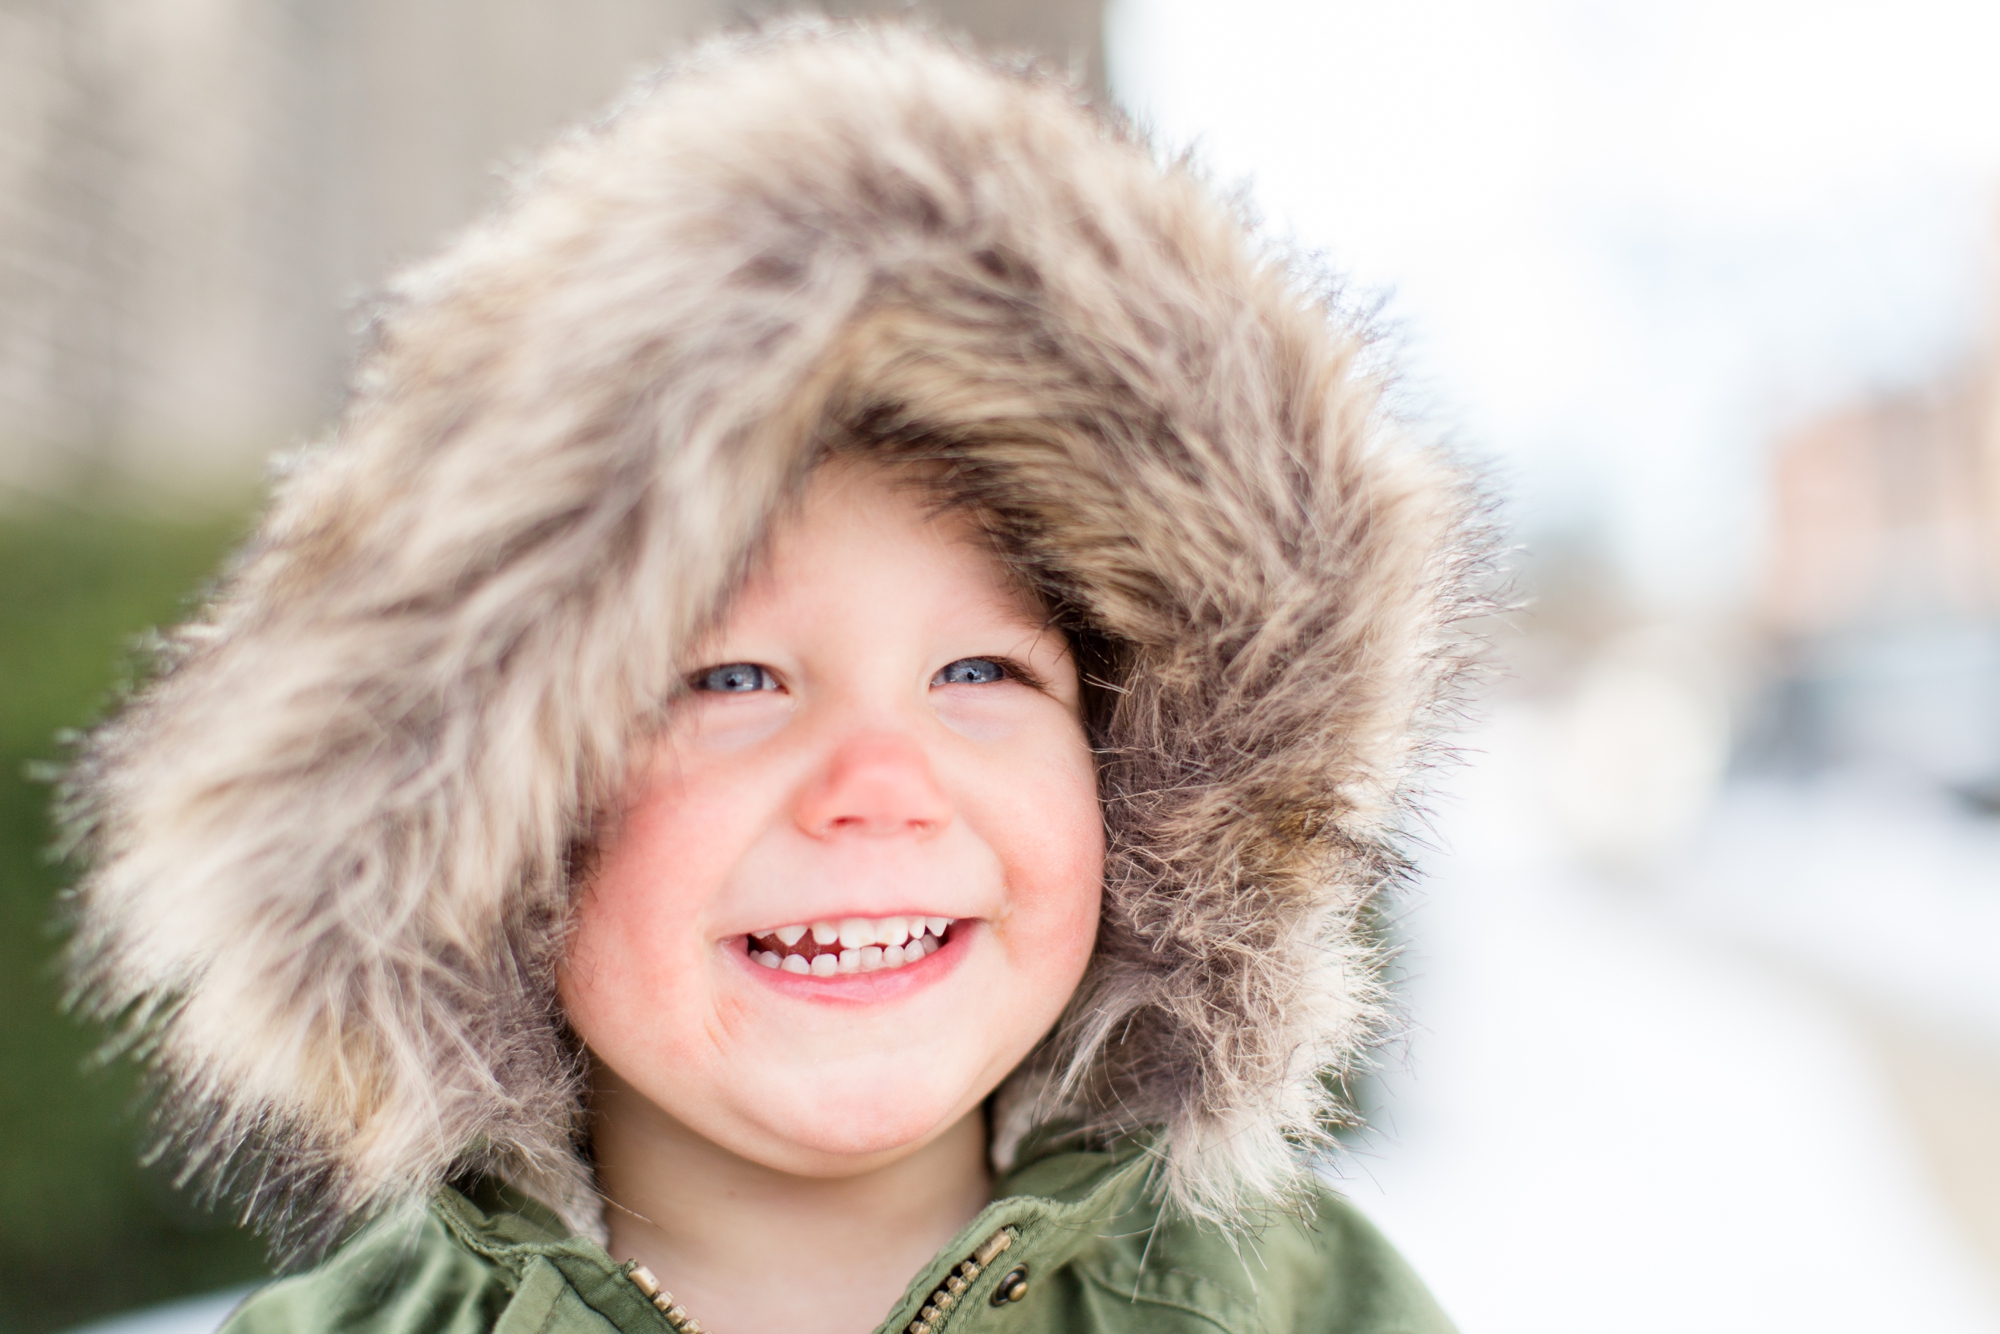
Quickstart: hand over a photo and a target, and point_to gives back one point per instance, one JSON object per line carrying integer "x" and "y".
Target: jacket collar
{"x": 1060, "y": 1197}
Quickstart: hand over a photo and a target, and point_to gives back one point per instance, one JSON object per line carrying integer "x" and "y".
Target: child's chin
{"x": 837, "y": 1126}
{"x": 821, "y": 1156}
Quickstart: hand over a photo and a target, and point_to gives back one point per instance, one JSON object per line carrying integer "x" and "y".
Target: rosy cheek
{"x": 604, "y": 985}
{"x": 638, "y": 938}
{"x": 1059, "y": 872}
{"x": 1079, "y": 825}
{"x": 1086, "y": 872}
{"x": 1085, "y": 912}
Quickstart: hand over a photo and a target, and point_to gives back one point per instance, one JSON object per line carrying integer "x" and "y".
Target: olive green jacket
{"x": 1072, "y": 1237}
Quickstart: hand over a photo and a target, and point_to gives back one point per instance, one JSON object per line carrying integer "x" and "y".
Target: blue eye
{"x": 735, "y": 678}
{"x": 970, "y": 672}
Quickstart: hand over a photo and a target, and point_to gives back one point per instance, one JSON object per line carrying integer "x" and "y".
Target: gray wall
{"x": 194, "y": 195}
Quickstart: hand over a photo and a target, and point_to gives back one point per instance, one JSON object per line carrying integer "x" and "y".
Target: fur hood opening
{"x": 329, "y": 846}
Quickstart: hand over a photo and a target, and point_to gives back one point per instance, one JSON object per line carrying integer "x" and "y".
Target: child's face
{"x": 883, "y": 734}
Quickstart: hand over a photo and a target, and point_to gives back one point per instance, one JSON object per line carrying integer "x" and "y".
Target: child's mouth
{"x": 850, "y": 945}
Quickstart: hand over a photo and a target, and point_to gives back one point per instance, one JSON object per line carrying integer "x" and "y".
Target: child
{"x": 814, "y": 756}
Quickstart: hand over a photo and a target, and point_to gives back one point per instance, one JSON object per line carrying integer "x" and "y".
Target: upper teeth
{"x": 849, "y": 945}
{"x": 855, "y": 933}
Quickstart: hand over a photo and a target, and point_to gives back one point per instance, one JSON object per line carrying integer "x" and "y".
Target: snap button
{"x": 1013, "y": 1287}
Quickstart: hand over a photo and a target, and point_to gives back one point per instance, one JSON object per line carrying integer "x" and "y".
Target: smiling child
{"x": 857, "y": 882}
{"x": 814, "y": 755}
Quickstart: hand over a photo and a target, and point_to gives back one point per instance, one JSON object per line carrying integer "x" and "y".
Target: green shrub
{"x": 84, "y": 1230}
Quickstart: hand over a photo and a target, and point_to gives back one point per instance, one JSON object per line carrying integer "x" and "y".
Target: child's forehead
{"x": 889, "y": 522}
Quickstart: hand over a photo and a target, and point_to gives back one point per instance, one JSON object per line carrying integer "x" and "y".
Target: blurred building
{"x": 1881, "y": 592}
{"x": 195, "y": 194}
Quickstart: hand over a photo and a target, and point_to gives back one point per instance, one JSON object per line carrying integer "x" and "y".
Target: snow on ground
{"x": 1891, "y": 889}
{"x": 194, "y": 1315}
{"x": 1609, "y": 1120}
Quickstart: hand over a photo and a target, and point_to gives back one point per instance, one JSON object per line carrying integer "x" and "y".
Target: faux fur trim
{"x": 329, "y": 844}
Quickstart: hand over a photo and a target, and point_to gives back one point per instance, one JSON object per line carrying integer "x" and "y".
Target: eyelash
{"x": 704, "y": 681}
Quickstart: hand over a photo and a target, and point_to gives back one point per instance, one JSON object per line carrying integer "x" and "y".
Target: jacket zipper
{"x": 928, "y": 1321}
{"x": 676, "y": 1314}
{"x": 946, "y": 1294}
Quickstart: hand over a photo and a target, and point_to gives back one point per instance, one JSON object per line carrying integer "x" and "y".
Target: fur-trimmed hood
{"x": 329, "y": 846}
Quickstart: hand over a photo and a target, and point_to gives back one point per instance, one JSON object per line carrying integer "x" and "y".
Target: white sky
{"x": 1624, "y": 241}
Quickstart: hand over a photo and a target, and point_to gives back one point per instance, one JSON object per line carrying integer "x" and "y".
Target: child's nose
{"x": 876, "y": 787}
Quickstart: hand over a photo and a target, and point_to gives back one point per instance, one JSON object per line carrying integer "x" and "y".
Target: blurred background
{"x": 1704, "y": 978}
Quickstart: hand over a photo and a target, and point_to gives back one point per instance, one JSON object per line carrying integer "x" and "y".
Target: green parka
{"x": 1070, "y": 1245}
